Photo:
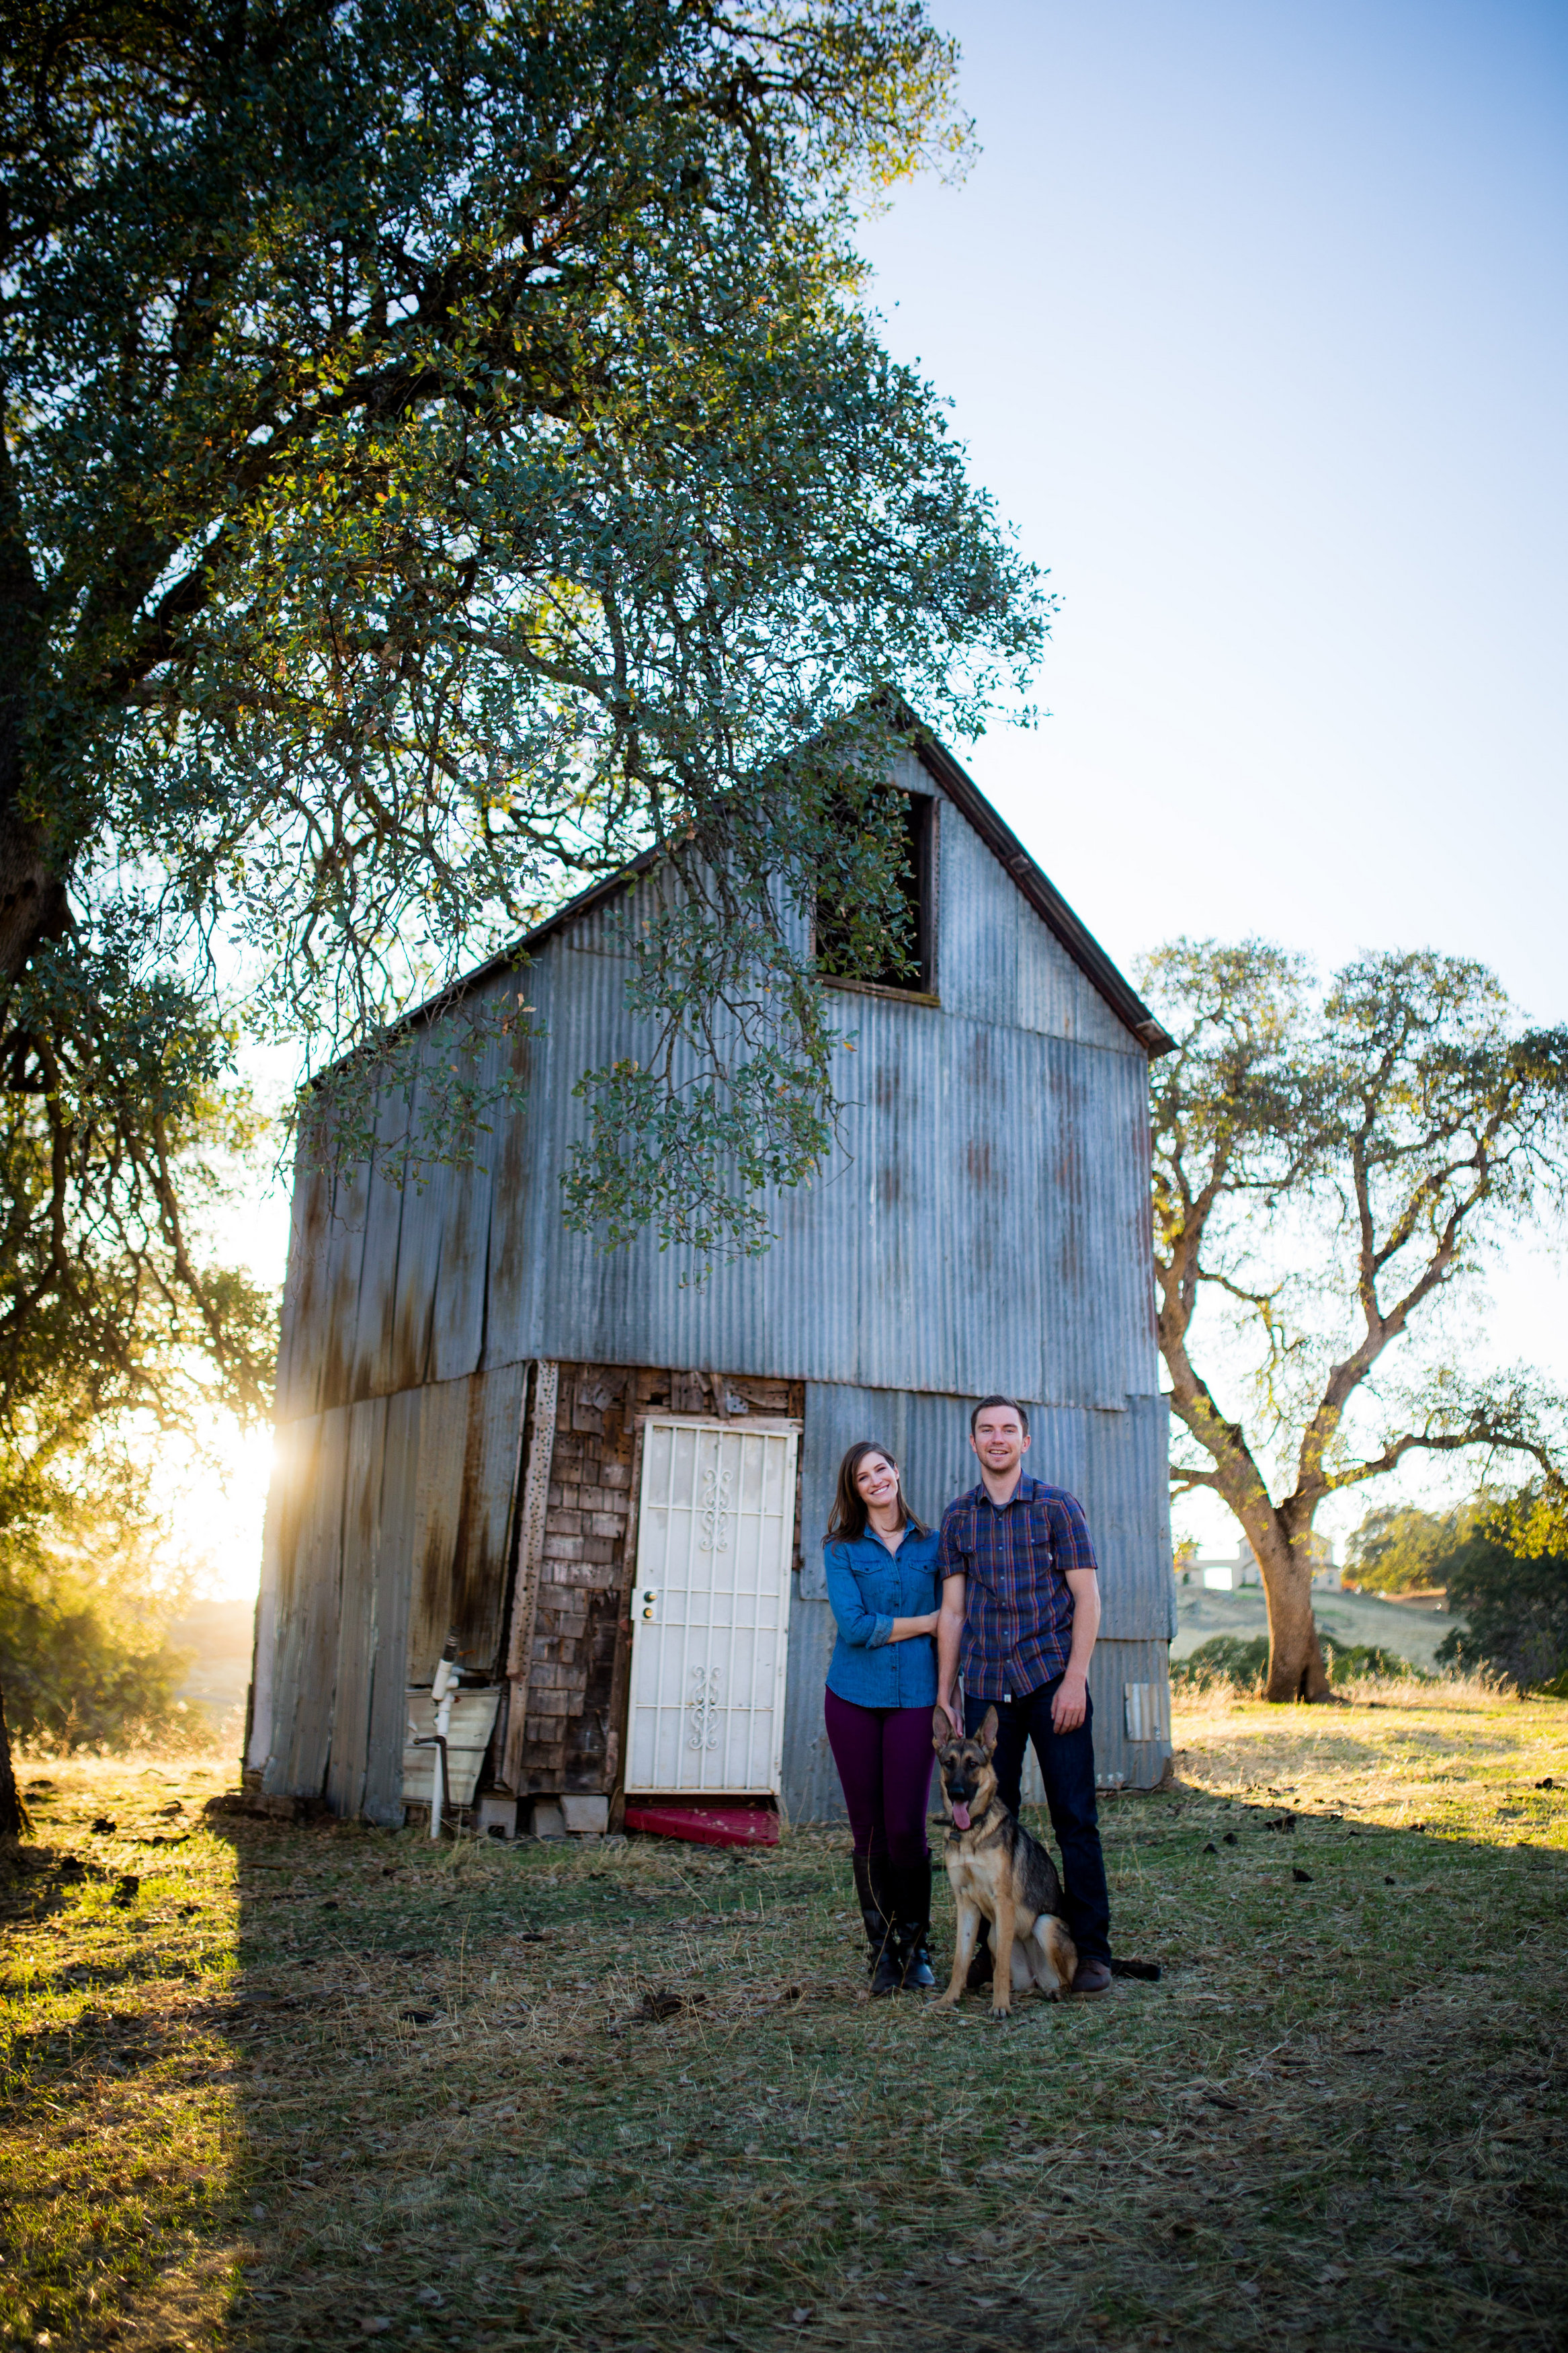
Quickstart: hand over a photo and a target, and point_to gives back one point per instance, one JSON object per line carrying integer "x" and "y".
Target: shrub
{"x": 1233, "y": 1659}
{"x": 1359, "y": 1662}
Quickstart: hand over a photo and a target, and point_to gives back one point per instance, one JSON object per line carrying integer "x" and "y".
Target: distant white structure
{"x": 1230, "y": 1575}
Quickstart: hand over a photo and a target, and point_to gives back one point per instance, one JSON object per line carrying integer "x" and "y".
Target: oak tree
{"x": 1332, "y": 1169}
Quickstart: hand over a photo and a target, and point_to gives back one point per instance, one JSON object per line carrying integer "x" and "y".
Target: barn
{"x": 606, "y": 1490}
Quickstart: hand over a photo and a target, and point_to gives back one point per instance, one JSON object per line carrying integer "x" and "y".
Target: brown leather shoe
{"x": 1092, "y": 1977}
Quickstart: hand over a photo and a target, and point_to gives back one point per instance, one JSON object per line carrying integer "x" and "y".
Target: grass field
{"x": 298, "y": 2087}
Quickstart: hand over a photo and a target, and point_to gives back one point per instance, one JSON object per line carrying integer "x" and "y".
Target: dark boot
{"x": 876, "y": 1910}
{"x": 911, "y": 1886}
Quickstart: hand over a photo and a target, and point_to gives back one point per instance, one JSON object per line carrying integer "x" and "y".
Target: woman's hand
{"x": 929, "y": 1625}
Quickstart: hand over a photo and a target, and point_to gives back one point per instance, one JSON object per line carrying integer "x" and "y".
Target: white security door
{"x": 710, "y": 1608}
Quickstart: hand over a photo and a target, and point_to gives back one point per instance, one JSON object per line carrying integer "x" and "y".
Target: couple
{"x": 1018, "y": 1612}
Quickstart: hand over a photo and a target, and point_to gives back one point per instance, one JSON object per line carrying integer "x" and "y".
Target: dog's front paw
{"x": 1001, "y": 2010}
{"x": 948, "y": 2000}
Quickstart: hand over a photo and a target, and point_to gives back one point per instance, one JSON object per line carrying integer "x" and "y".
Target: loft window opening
{"x": 901, "y": 956}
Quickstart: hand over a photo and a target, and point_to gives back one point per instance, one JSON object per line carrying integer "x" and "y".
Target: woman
{"x": 881, "y": 1688}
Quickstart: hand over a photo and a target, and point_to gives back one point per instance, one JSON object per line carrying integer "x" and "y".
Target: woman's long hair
{"x": 847, "y": 1523}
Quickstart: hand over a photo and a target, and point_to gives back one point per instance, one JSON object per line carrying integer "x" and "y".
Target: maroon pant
{"x": 884, "y": 1756}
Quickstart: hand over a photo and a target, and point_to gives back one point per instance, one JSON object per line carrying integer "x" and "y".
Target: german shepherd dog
{"x": 995, "y": 1867}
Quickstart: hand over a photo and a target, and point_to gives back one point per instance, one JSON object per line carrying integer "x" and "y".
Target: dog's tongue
{"x": 960, "y": 1816}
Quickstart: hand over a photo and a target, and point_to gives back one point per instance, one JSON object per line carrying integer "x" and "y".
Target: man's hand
{"x": 1070, "y": 1705}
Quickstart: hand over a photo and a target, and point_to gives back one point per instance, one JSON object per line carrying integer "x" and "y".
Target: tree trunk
{"x": 1296, "y": 1669}
{"x": 13, "y": 1820}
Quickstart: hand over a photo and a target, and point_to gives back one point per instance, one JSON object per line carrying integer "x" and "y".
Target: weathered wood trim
{"x": 533, "y": 1506}
{"x": 620, "y": 1687}
{"x": 726, "y": 1421}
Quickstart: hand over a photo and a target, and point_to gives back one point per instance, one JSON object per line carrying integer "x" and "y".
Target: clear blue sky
{"x": 1254, "y": 321}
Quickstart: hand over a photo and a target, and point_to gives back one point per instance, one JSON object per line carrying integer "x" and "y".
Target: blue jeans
{"x": 1067, "y": 1768}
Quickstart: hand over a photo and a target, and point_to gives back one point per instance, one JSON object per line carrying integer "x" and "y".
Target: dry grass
{"x": 1338, "y": 2120}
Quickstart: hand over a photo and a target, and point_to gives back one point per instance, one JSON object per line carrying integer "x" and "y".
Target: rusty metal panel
{"x": 458, "y": 1330}
{"x": 371, "y": 1372}
{"x": 1119, "y": 1760}
{"x": 356, "y": 1606}
{"x": 438, "y": 1507}
{"x": 303, "y": 1310}
{"x": 309, "y": 1575}
{"x": 469, "y": 1434}
{"x": 518, "y": 1211}
{"x": 1126, "y": 1486}
{"x": 981, "y": 914}
{"x": 491, "y": 1461}
{"x": 810, "y": 1791}
{"x": 394, "y": 1581}
{"x": 982, "y": 1224}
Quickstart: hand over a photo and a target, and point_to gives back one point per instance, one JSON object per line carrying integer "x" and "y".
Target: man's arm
{"x": 1070, "y": 1705}
{"x": 949, "y": 1644}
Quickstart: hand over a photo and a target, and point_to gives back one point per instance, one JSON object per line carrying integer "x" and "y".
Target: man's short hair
{"x": 1021, "y": 1411}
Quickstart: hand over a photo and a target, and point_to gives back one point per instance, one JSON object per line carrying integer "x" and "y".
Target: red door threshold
{"x": 734, "y": 1825}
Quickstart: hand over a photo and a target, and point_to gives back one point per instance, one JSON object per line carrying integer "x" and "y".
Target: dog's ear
{"x": 942, "y": 1728}
{"x": 987, "y": 1733}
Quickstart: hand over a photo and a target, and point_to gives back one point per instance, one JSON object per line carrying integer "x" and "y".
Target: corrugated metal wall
{"x": 983, "y": 1225}
{"x": 984, "y": 1221}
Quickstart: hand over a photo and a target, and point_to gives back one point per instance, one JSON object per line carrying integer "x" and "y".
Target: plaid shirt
{"x": 1020, "y": 1607}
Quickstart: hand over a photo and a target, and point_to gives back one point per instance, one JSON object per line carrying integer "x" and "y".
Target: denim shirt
{"x": 869, "y": 1587}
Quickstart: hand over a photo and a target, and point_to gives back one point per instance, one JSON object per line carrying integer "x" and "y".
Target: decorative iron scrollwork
{"x": 703, "y": 1708}
{"x": 715, "y": 1511}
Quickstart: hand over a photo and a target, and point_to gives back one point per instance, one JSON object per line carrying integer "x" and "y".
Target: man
{"x": 1020, "y": 1610}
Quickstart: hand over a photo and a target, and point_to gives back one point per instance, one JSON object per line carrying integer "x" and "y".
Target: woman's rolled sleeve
{"x": 862, "y": 1628}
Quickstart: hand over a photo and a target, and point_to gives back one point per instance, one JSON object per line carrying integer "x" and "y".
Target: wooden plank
{"x": 356, "y": 1606}
{"x": 388, "y": 1708}
{"x": 620, "y": 1679}
{"x": 533, "y": 1505}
